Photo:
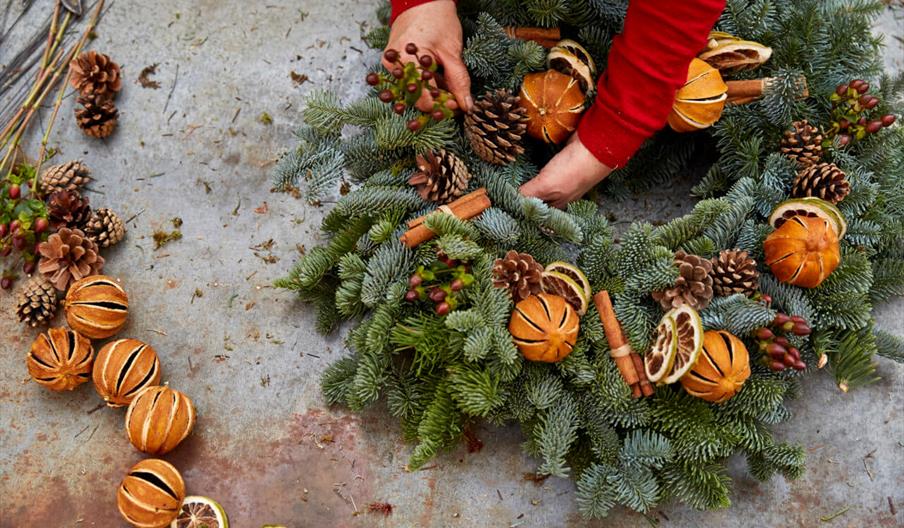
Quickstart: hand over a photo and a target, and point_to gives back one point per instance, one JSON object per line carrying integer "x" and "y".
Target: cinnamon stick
{"x": 643, "y": 387}
{"x": 465, "y": 208}
{"x": 746, "y": 91}
{"x": 546, "y": 37}
{"x": 454, "y": 205}
{"x": 619, "y": 348}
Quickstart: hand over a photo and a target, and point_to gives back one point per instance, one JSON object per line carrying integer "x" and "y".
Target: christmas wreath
{"x": 635, "y": 364}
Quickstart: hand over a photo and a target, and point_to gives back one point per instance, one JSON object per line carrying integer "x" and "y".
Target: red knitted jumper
{"x": 647, "y": 63}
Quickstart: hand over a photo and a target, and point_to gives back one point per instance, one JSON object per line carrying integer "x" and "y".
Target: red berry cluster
{"x": 852, "y": 107}
{"x": 441, "y": 283}
{"x": 405, "y": 84}
{"x": 23, "y": 225}
{"x": 778, "y": 353}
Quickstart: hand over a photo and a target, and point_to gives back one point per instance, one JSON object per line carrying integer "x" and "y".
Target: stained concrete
{"x": 265, "y": 445}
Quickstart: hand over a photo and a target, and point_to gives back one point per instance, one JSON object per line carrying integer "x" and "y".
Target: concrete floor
{"x": 265, "y": 446}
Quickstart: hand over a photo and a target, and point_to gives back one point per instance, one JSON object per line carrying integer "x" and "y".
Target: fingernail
{"x": 469, "y": 103}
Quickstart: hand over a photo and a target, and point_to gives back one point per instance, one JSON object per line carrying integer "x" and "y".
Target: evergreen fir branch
{"x": 475, "y": 391}
{"x": 780, "y": 458}
{"x": 555, "y": 434}
{"x": 703, "y": 487}
{"x": 737, "y": 314}
{"x": 439, "y": 427}
{"x": 842, "y": 300}
{"x": 543, "y": 388}
{"x": 337, "y": 380}
{"x": 889, "y": 346}
{"x": 850, "y": 354}
{"x": 377, "y": 38}
{"x": 547, "y": 13}
{"x": 636, "y": 488}
{"x": 787, "y": 298}
{"x": 447, "y": 224}
{"x": 595, "y": 494}
{"x": 888, "y": 279}
{"x": 645, "y": 448}
{"x": 498, "y": 227}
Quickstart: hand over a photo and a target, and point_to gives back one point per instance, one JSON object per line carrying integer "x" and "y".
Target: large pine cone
{"x": 68, "y": 209}
{"x": 496, "y": 126}
{"x": 823, "y": 180}
{"x": 803, "y": 143}
{"x": 441, "y": 177}
{"x": 694, "y": 286}
{"x": 519, "y": 273}
{"x": 95, "y": 74}
{"x": 38, "y": 301}
{"x": 105, "y": 228}
{"x": 97, "y": 117}
{"x": 734, "y": 272}
{"x": 69, "y": 176}
{"x": 68, "y": 256}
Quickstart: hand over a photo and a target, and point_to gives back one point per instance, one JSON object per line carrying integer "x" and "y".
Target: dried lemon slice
{"x": 200, "y": 512}
{"x": 689, "y": 337}
{"x": 658, "y": 361}
{"x": 564, "y": 286}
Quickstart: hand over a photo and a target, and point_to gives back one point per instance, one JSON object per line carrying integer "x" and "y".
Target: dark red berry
{"x": 438, "y": 295}
{"x": 844, "y": 124}
{"x": 386, "y": 96}
{"x": 411, "y": 48}
{"x": 764, "y": 334}
{"x": 411, "y": 87}
{"x": 442, "y": 308}
{"x": 415, "y": 280}
{"x": 872, "y": 103}
{"x": 6, "y": 283}
{"x": 793, "y": 352}
{"x": 13, "y": 226}
{"x": 874, "y": 126}
{"x": 411, "y": 296}
{"x": 775, "y": 349}
{"x": 398, "y": 73}
{"x": 391, "y": 55}
{"x": 399, "y": 108}
{"x": 863, "y": 87}
{"x": 888, "y": 119}
{"x": 434, "y": 93}
{"x": 3, "y": 230}
{"x": 425, "y": 60}
{"x": 427, "y": 75}
{"x": 15, "y": 191}
{"x": 41, "y": 225}
{"x": 777, "y": 366}
{"x": 782, "y": 341}
{"x": 457, "y": 285}
{"x": 767, "y": 299}
{"x": 18, "y": 242}
{"x": 862, "y": 121}
{"x": 780, "y": 319}
{"x": 844, "y": 140}
{"x": 841, "y": 89}
{"x": 372, "y": 79}
{"x": 29, "y": 267}
{"x": 414, "y": 125}
{"x": 438, "y": 115}
{"x": 800, "y": 365}
{"x": 798, "y": 319}
{"x": 777, "y": 354}
{"x": 801, "y": 330}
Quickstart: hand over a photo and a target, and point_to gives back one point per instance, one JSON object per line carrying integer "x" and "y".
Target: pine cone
{"x": 38, "y": 301}
{"x": 105, "y": 228}
{"x": 822, "y": 180}
{"x": 495, "y": 127}
{"x": 69, "y": 176}
{"x": 734, "y": 272}
{"x": 519, "y": 273}
{"x": 68, "y": 209}
{"x": 68, "y": 256}
{"x": 442, "y": 177}
{"x": 694, "y": 286}
{"x": 803, "y": 143}
{"x": 95, "y": 74}
{"x": 97, "y": 117}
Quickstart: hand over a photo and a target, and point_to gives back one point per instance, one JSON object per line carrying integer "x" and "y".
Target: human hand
{"x": 435, "y": 29}
{"x": 568, "y": 175}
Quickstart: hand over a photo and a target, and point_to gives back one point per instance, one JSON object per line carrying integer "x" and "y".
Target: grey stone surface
{"x": 265, "y": 446}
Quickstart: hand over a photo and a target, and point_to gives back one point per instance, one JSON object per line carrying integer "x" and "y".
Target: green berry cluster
{"x": 852, "y": 106}
{"x": 405, "y": 82}
{"x": 441, "y": 283}
{"x": 23, "y": 224}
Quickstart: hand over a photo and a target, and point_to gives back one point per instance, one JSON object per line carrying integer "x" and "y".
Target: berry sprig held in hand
{"x": 405, "y": 83}
{"x": 852, "y": 107}
{"x": 441, "y": 283}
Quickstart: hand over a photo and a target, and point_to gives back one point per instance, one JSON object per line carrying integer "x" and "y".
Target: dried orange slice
{"x": 557, "y": 283}
{"x": 689, "y": 337}
{"x": 574, "y": 272}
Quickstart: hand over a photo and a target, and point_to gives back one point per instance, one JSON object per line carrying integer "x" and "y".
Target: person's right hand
{"x": 435, "y": 29}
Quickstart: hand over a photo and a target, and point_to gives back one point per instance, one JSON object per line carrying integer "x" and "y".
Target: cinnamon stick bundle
{"x": 465, "y": 208}
{"x": 546, "y": 37}
{"x": 628, "y": 362}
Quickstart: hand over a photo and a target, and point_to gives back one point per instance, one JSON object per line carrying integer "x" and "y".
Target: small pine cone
{"x": 97, "y": 117}
{"x": 734, "y": 272}
{"x": 519, "y": 273}
{"x": 823, "y": 180}
{"x": 95, "y": 74}
{"x": 496, "y": 126}
{"x": 68, "y": 256}
{"x": 105, "y": 228}
{"x": 68, "y": 209}
{"x": 441, "y": 177}
{"x": 694, "y": 286}
{"x": 803, "y": 143}
{"x": 69, "y": 176}
{"x": 38, "y": 301}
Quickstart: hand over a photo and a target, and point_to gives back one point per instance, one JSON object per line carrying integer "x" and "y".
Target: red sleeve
{"x": 647, "y": 63}
{"x": 398, "y": 6}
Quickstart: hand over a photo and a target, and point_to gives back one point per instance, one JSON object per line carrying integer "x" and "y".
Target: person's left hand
{"x": 568, "y": 175}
